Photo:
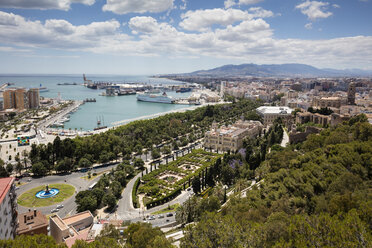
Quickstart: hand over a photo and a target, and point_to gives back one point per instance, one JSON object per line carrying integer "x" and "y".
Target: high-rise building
{"x": 8, "y": 208}
{"x": 9, "y": 99}
{"x": 33, "y": 98}
{"x": 21, "y": 99}
{"x": 351, "y": 94}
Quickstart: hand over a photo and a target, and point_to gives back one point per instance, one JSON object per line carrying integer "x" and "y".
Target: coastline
{"x": 147, "y": 117}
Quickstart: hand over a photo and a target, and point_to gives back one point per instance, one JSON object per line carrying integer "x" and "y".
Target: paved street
{"x": 125, "y": 209}
{"x": 71, "y": 178}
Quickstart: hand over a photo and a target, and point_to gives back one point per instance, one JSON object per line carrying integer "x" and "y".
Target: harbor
{"x": 117, "y": 108}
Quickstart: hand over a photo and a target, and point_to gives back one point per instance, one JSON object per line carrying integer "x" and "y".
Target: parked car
{"x": 152, "y": 217}
{"x": 160, "y": 216}
{"x": 169, "y": 214}
{"x": 54, "y": 210}
{"x": 59, "y": 206}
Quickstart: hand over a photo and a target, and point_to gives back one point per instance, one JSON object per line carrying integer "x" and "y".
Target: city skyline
{"x": 171, "y": 36}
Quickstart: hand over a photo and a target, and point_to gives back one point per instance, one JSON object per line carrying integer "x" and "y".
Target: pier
{"x": 90, "y": 100}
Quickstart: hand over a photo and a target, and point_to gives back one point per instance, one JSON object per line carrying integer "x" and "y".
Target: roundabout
{"x": 46, "y": 195}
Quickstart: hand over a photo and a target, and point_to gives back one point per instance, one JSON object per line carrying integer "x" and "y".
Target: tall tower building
{"x": 351, "y": 94}
{"x": 9, "y": 99}
{"x": 222, "y": 90}
{"x": 33, "y": 98}
{"x": 21, "y": 99}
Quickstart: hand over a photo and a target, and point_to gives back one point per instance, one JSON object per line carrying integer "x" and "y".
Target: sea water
{"x": 108, "y": 109}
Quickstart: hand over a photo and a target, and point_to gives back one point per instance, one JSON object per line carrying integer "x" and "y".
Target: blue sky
{"x": 171, "y": 36}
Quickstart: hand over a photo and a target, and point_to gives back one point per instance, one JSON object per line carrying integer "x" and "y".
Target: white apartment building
{"x": 270, "y": 113}
{"x": 231, "y": 138}
{"x": 8, "y": 208}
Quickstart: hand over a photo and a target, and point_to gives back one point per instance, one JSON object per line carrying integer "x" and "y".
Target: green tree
{"x": 109, "y": 200}
{"x": 196, "y": 184}
{"x": 9, "y": 168}
{"x": 88, "y": 202}
{"x": 138, "y": 163}
{"x": 84, "y": 163}
{"x": 38, "y": 169}
{"x": 155, "y": 154}
{"x": 116, "y": 188}
{"x": 98, "y": 194}
{"x": 143, "y": 235}
{"x": 121, "y": 176}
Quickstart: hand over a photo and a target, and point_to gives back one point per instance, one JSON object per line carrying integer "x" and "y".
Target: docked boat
{"x": 145, "y": 97}
{"x": 183, "y": 90}
{"x": 126, "y": 92}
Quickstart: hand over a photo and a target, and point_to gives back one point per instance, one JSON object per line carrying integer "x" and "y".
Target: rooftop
{"x": 31, "y": 220}
{"x": 59, "y": 222}
{"x": 274, "y": 110}
{"x": 5, "y": 184}
{"x": 76, "y": 218}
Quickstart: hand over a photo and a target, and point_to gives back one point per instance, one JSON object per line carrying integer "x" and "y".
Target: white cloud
{"x": 229, "y": 3}
{"x": 137, "y": 6}
{"x": 336, "y": 6}
{"x": 249, "y": 2}
{"x": 250, "y": 40}
{"x": 309, "y": 25}
{"x": 144, "y": 24}
{"x": 203, "y": 20}
{"x": 184, "y": 4}
{"x": 53, "y": 33}
{"x": 314, "y": 9}
{"x": 42, "y": 4}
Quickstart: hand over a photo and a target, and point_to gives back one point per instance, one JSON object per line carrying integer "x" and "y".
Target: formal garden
{"x": 166, "y": 182}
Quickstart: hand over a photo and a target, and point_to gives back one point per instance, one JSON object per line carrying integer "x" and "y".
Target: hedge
{"x": 134, "y": 192}
{"x": 164, "y": 199}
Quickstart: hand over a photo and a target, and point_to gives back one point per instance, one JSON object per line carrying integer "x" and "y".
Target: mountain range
{"x": 276, "y": 70}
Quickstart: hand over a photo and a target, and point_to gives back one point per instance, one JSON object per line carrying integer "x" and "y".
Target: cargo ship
{"x": 145, "y": 97}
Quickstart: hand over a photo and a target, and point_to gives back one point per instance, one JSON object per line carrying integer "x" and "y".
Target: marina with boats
{"x": 114, "y": 100}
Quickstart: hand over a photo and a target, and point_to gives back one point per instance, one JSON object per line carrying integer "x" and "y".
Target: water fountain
{"x": 47, "y": 193}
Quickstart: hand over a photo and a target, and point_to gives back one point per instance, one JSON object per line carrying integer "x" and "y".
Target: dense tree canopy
{"x": 67, "y": 154}
{"x": 315, "y": 194}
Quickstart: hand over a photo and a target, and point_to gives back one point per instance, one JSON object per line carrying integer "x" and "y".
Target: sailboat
{"x": 99, "y": 123}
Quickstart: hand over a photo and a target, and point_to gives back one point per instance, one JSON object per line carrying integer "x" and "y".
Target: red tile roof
{"x": 5, "y": 184}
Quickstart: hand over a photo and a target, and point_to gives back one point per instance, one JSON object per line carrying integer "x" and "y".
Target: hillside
{"x": 274, "y": 70}
{"x": 315, "y": 194}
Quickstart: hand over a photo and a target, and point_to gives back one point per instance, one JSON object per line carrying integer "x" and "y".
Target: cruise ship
{"x": 145, "y": 97}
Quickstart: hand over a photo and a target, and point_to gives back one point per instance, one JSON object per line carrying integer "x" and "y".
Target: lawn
{"x": 28, "y": 199}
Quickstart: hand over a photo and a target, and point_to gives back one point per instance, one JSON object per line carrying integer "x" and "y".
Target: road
{"x": 50, "y": 120}
{"x": 285, "y": 139}
{"x": 125, "y": 209}
{"x": 71, "y": 179}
